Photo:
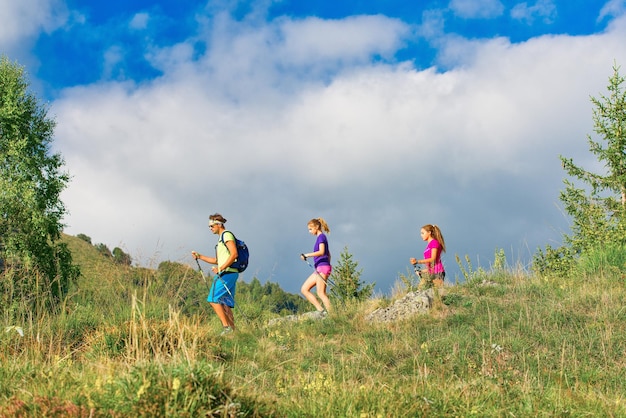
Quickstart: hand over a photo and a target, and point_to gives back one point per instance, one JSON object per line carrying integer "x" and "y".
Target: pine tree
{"x": 347, "y": 279}
{"x": 596, "y": 202}
{"x": 598, "y": 210}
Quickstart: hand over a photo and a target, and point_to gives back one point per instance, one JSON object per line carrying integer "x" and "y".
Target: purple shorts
{"x": 324, "y": 270}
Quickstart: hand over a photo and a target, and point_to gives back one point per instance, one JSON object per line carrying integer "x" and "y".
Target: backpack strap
{"x": 222, "y": 239}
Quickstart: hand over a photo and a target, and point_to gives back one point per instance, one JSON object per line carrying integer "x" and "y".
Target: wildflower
{"x": 142, "y": 389}
{"x": 176, "y": 384}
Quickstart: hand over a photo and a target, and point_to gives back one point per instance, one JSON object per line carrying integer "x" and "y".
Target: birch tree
{"x": 31, "y": 181}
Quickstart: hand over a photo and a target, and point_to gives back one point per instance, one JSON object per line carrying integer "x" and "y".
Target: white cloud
{"x": 476, "y": 9}
{"x": 433, "y": 23}
{"x": 543, "y": 9}
{"x": 274, "y": 123}
{"x": 27, "y": 18}
{"x": 354, "y": 38}
{"x": 287, "y": 50}
{"x": 21, "y": 24}
{"x": 113, "y": 56}
{"x": 376, "y": 149}
{"x": 613, "y": 8}
{"x": 139, "y": 21}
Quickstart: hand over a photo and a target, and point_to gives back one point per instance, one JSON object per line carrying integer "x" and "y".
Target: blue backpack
{"x": 243, "y": 254}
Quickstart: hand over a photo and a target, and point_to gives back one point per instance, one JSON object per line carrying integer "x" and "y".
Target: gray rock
{"x": 315, "y": 316}
{"x": 410, "y": 304}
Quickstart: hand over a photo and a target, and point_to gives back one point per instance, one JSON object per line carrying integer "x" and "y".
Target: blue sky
{"x": 379, "y": 116}
{"x": 132, "y": 27}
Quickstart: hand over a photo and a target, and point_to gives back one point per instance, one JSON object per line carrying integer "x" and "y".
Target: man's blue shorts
{"x": 219, "y": 292}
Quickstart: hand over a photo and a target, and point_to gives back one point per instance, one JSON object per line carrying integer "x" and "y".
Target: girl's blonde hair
{"x": 435, "y": 232}
{"x": 320, "y": 223}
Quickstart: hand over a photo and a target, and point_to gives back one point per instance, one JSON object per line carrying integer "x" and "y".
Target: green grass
{"x": 528, "y": 346}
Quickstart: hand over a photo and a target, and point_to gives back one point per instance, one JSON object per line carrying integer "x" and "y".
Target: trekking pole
{"x": 333, "y": 289}
{"x": 203, "y": 276}
{"x": 327, "y": 280}
{"x": 218, "y": 276}
{"x": 417, "y": 270}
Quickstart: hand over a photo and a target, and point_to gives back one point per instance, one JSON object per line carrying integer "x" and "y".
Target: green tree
{"x": 120, "y": 257}
{"x": 104, "y": 250}
{"x": 596, "y": 202}
{"x": 277, "y": 300}
{"x": 31, "y": 180}
{"x": 84, "y": 237}
{"x": 598, "y": 211}
{"x": 347, "y": 279}
{"x": 256, "y": 289}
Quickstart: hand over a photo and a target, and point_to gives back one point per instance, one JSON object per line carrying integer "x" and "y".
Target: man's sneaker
{"x": 226, "y": 331}
{"x": 323, "y": 313}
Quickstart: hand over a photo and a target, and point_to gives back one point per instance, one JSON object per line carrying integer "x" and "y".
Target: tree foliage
{"x": 104, "y": 250}
{"x": 85, "y": 238}
{"x": 271, "y": 297}
{"x": 31, "y": 181}
{"x": 187, "y": 290}
{"x": 120, "y": 257}
{"x": 347, "y": 279}
{"x": 596, "y": 202}
{"x": 598, "y": 211}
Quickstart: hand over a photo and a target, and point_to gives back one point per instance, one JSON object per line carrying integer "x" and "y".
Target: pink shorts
{"x": 324, "y": 270}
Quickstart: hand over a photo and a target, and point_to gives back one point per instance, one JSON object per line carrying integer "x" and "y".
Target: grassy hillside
{"x": 517, "y": 346}
{"x": 91, "y": 262}
{"x": 104, "y": 288}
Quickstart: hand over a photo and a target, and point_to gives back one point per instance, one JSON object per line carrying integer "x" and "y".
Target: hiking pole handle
{"x": 202, "y": 273}
{"x": 307, "y": 261}
{"x": 417, "y": 270}
{"x": 200, "y": 269}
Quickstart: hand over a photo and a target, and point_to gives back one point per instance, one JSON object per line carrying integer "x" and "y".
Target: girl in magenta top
{"x": 321, "y": 257}
{"x": 432, "y": 254}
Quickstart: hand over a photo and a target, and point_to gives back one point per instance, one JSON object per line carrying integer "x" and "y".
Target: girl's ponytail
{"x": 321, "y": 224}
{"x": 439, "y": 238}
